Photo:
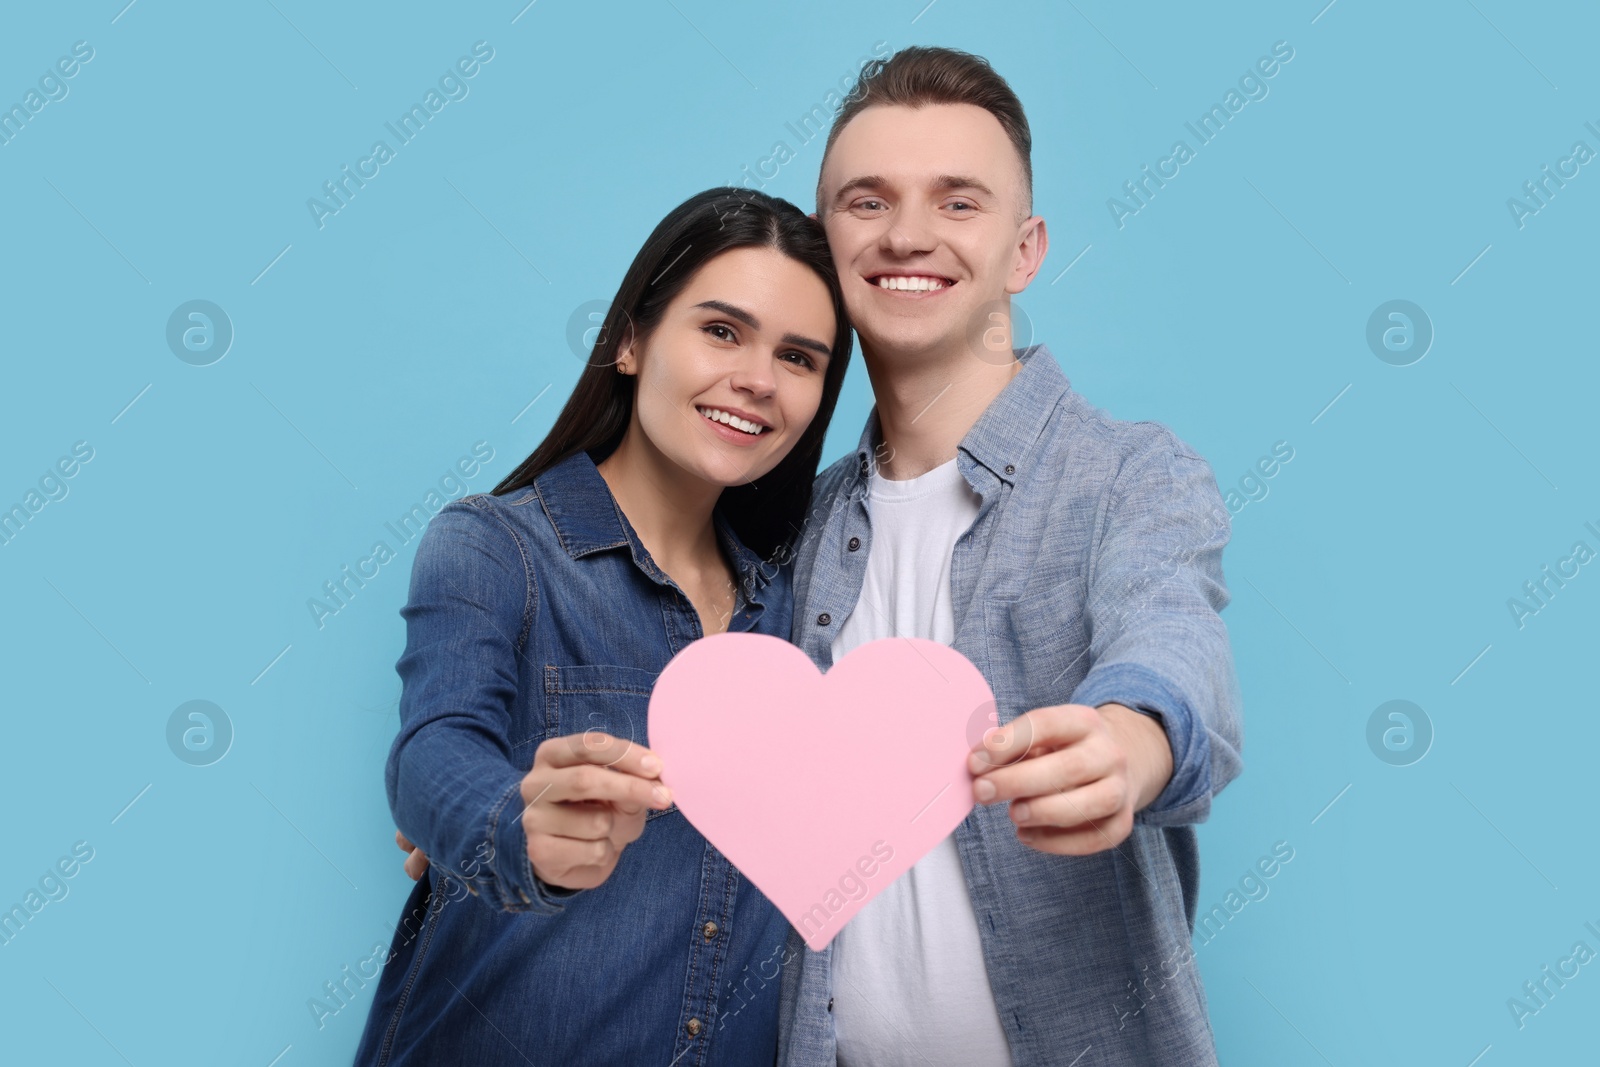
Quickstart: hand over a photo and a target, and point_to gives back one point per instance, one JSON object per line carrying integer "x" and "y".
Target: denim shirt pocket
{"x": 1038, "y": 647}
{"x": 596, "y": 696}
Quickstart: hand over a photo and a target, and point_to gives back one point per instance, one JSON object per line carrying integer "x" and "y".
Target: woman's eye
{"x": 801, "y": 358}
{"x": 725, "y": 333}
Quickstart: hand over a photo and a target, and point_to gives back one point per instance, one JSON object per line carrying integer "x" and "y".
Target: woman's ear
{"x": 625, "y": 363}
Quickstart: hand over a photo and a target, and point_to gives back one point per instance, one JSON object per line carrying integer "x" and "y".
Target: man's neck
{"x": 926, "y": 406}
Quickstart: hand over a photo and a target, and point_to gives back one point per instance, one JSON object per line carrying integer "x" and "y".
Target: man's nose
{"x": 908, "y": 233}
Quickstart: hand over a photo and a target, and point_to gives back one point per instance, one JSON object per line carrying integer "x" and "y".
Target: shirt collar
{"x": 1007, "y": 428}
{"x": 587, "y": 520}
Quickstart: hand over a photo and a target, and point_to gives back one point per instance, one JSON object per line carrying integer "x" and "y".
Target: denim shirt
{"x": 1092, "y": 575}
{"x": 540, "y": 614}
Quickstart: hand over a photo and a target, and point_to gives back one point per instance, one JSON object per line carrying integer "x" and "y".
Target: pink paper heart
{"x": 821, "y": 789}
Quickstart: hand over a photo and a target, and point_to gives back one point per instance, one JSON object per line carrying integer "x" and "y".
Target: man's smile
{"x": 914, "y": 286}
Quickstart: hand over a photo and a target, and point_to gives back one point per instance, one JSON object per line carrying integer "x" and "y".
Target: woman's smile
{"x": 731, "y": 427}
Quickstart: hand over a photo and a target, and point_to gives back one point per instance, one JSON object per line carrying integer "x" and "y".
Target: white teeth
{"x": 913, "y": 284}
{"x": 745, "y": 425}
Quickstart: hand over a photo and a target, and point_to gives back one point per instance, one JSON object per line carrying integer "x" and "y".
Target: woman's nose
{"x": 755, "y": 376}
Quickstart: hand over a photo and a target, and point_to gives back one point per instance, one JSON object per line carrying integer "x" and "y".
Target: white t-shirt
{"x": 909, "y": 984}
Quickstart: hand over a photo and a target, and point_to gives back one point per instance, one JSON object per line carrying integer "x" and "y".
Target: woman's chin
{"x": 728, "y": 470}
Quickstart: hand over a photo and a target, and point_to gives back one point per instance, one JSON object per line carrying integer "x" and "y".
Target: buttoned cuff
{"x": 515, "y": 885}
{"x": 1187, "y": 795}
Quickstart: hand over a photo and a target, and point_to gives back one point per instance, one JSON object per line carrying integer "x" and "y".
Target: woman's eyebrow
{"x": 731, "y": 311}
{"x": 806, "y": 342}
{"x": 734, "y": 312}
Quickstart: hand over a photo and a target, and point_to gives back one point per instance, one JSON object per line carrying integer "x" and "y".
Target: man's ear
{"x": 813, "y": 217}
{"x": 1033, "y": 241}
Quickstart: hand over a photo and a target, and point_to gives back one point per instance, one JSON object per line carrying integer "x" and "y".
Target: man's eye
{"x": 869, "y": 204}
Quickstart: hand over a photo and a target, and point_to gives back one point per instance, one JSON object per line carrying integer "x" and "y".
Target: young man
{"x": 1075, "y": 559}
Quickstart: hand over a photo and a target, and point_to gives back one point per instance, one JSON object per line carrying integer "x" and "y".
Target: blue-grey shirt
{"x": 540, "y": 614}
{"x": 1092, "y": 575}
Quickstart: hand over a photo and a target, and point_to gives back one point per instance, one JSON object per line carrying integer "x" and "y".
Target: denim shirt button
{"x": 709, "y": 930}
{"x": 855, "y": 544}
{"x": 693, "y": 1026}
{"x": 824, "y": 619}
{"x": 830, "y": 1003}
{"x": 1010, "y": 469}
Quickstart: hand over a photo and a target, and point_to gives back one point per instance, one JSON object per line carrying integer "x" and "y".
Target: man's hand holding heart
{"x": 1075, "y": 775}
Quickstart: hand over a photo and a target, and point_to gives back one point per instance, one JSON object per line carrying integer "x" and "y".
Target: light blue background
{"x": 428, "y": 313}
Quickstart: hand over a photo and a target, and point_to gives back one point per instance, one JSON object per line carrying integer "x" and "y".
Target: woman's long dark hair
{"x": 766, "y": 513}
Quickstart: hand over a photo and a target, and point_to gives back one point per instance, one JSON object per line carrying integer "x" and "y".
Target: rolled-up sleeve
{"x": 453, "y": 787}
{"x": 1157, "y": 642}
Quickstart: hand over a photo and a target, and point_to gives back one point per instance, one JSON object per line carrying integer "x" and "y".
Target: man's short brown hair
{"x": 917, "y": 76}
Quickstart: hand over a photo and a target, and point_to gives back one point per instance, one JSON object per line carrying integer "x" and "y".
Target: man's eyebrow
{"x": 751, "y": 321}
{"x": 943, "y": 183}
{"x": 866, "y": 181}
{"x": 961, "y": 181}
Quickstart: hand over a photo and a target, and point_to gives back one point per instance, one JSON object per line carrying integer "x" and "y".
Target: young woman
{"x": 570, "y": 914}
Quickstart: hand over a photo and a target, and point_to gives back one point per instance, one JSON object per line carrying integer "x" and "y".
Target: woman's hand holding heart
{"x": 587, "y": 796}
{"x": 595, "y": 790}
